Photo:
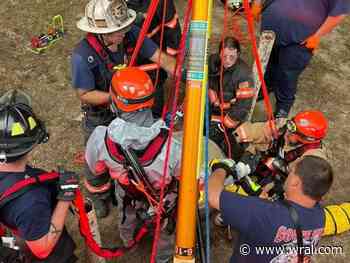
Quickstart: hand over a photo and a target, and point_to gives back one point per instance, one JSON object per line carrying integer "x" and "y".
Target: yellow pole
{"x": 193, "y": 130}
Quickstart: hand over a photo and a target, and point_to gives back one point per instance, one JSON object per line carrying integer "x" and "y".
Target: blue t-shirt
{"x": 83, "y": 77}
{"x": 295, "y": 20}
{"x": 30, "y": 213}
{"x": 262, "y": 224}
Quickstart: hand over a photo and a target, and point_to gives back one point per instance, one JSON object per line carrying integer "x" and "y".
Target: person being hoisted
{"x": 268, "y": 159}
{"x": 131, "y": 151}
{"x": 237, "y": 90}
{"x": 110, "y": 33}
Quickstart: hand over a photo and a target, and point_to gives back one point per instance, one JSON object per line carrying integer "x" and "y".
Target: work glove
{"x": 67, "y": 185}
{"x": 312, "y": 42}
{"x": 252, "y": 160}
{"x": 227, "y": 164}
{"x": 280, "y": 165}
{"x": 256, "y": 11}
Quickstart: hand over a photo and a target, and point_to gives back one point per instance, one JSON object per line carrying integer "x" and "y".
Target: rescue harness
{"x": 139, "y": 187}
{"x": 19, "y": 188}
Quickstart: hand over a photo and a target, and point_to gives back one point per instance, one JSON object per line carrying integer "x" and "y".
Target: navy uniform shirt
{"x": 262, "y": 223}
{"x": 83, "y": 78}
{"x": 295, "y": 20}
{"x": 30, "y": 213}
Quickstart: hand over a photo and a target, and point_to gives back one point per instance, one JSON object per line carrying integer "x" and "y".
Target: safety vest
{"x": 14, "y": 187}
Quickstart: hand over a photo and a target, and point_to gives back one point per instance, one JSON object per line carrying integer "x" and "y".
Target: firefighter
{"x": 131, "y": 151}
{"x": 268, "y": 159}
{"x": 110, "y": 32}
{"x": 299, "y": 26}
{"x": 237, "y": 89}
{"x": 36, "y": 215}
{"x": 170, "y": 41}
{"x": 288, "y": 228}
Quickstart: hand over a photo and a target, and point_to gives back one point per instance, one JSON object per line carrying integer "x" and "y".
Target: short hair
{"x": 316, "y": 175}
{"x": 230, "y": 42}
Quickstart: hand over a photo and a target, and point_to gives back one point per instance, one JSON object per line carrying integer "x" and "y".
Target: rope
{"x": 251, "y": 29}
{"x": 206, "y": 180}
{"x": 179, "y": 63}
{"x": 227, "y": 140}
{"x": 150, "y": 14}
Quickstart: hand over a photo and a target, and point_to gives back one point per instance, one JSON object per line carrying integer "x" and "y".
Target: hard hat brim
{"x": 84, "y": 25}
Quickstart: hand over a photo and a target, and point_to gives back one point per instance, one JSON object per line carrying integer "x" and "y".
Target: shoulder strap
{"x": 296, "y": 222}
{"x": 95, "y": 44}
{"x": 296, "y": 153}
{"x": 146, "y": 157}
{"x": 23, "y": 186}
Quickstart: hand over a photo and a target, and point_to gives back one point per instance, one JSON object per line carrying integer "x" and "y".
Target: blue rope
{"x": 206, "y": 177}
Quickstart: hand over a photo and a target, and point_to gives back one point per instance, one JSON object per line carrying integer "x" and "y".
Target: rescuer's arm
{"x": 167, "y": 62}
{"x": 68, "y": 184}
{"x": 93, "y": 97}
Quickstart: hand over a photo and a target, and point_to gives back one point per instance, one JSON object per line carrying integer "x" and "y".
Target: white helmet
{"x": 106, "y": 16}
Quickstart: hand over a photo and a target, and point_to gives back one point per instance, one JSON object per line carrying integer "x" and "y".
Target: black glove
{"x": 227, "y": 164}
{"x": 68, "y": 184}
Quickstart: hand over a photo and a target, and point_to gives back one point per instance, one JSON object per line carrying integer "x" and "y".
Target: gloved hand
{"x": 251, "y": 160}
{"x": 312, "y": 42}
{"x": 256, "y": 10}
{"x": 68, "y": 184}
{"x": 242, "y": 170}
{"x": 139, "y": 18}
{"x": 280, "y": 166}
{"x": 227, "y": 164}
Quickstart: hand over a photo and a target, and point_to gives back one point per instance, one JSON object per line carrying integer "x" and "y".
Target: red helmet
{"x": 308, "y": 126}
{"x": 131, "y": 89}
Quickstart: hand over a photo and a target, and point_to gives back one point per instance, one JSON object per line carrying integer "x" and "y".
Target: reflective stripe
{"x": 172, "y": 23}
{"x": 244, "y": 84}
{"x": 229, "y": 123}
{"x": 153, "y": 32}
{"x": 245, "y": 93}
{"x": 171, "y": 51}
{"x": 216, "y": 118}
{"x": 242, "y": 134}
{"x": 97, "y": 189}
{"x": 213, "y": 96}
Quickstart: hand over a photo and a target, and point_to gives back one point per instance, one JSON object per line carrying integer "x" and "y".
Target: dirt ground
{"x": 46, "y": 77}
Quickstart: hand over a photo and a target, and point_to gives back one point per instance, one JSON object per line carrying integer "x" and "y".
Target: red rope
{"x": 221, "y": 89}
{"x": 150, "y": 14}
{"x": 89, "y": 239}
{"x": 161, "y": 41}
{"x": 179, "y": 63}
{"x": 268, "y": 107}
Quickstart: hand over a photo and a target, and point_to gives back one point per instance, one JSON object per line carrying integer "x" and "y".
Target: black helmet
{"x": 20, "y": 130}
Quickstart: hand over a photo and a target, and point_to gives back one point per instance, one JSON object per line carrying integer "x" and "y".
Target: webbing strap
{"x": 99, "y": 49}
{"x": 24, "y": 185}
{"x": 296, "y": 222}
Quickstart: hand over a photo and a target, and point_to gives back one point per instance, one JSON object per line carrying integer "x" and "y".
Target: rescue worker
{"x": 36, "y": 214}
{"x": 286, "y": 230}
{"x": 110, "y": 33}
{"x": 238, "y": 91}
{"x": 131, "y": 151}
{"x": 299, "y": 26}
{"x": 170, "y": 41}
{"x": 268, "y": 159}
